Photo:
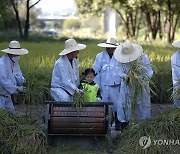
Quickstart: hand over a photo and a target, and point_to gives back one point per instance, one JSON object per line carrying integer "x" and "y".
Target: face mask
{"x": 15, "y": 59}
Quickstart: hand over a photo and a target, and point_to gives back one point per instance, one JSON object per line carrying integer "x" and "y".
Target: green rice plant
{"x": 164, "y": 127}
{"x": 19, "y": 135}
{"x": 78, "y": 99}
{"x": 43, "y": 52}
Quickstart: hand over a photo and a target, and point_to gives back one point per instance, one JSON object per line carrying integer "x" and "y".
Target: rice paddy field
{"x": 37, "y": 68}
{"x": 38, "y": 64}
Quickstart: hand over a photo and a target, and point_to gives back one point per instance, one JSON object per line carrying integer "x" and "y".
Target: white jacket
{"x": 10, "y": 76}
{"x": 64, "y": 75}
{"x": 175, "y": 64}
{"x": 106, "y": 69}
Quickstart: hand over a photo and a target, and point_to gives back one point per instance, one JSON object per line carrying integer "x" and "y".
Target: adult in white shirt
{"x": 175, "y": 65}
{"x": 127, "y": 54}
{"x": 106, "y": 68}
{"x": 11, "y": 78}
{"x": 65, "y": 75}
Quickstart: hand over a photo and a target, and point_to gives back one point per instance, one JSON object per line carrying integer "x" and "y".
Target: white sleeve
{"x": 147, "y": 66}
{"x": 5, "y": 82}
{"x": 60, "y": 78}
{"x": 18, "y": 75}
{"x": 97, "y": 69}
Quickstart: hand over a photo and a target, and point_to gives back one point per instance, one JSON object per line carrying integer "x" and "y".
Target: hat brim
{"x": 78, "y": 47}
{"x": 16, "y": 51}
{"x": 105, "y": 45}
{"x": 176, "y": 44}
{"x": 119, "y": 56}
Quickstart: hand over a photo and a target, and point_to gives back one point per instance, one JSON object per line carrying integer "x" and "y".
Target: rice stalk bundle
{"x": 137, "y": 81}
{"x": 165, "y": 127}
{"x": 78, "y": 99}
{"x": 19, "y": 135}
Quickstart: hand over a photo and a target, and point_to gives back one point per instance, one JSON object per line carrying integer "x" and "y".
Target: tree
{"x": 173, "y": 14}
{"x": 152, "y": 13}
{"x": 161, "y": 15}
{"x": 95, "y": 7}
{"x": 128, "y": 10}
{"x": 6, "y": 15}
{"x": 130, "y": 14}
{"x": 29, "y": 6}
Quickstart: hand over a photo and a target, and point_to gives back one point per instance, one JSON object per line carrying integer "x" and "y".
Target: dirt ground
{"x": 38, "y": 112}
{"x": 78, "y": 144}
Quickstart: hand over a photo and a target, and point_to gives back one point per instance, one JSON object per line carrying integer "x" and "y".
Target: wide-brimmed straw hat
{"x": 110, "y": 43}
{"x": 70, "y": 46}
{"x": 176, "y": 44}
{"x": 127, "y": 52}
{"x": 15, "y": 49}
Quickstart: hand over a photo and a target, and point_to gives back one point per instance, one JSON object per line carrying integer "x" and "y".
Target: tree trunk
{"x": 17, "y": 18}
{"x": 169, "y": 21}
{"x": 152, "y": 23}
{"x": 160, "y": 25}
{"x": 26, "y": 27}
{"x": 174, "y": 27}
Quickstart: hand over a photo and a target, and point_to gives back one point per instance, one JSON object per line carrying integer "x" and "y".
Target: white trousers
{"x": 110, "y": 94}
{"x": 6, "y": 103}
{"x": 61, "y": 95}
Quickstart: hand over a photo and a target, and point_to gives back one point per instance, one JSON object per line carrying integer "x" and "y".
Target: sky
{"x": 54, "y": 6}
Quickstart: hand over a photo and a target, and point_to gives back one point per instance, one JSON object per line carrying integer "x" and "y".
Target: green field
{"x": 38, "y": 64}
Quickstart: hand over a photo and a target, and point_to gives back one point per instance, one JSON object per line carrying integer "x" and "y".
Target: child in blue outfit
{"x": 91, "y": 89}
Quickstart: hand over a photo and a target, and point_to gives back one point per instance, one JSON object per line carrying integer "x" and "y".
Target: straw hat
{"x": 15, "y": 49}
{"x": 127, "y": 52}
{"x": 110, "y": 43}
{"x": 176, "y": 44}
{"x": 70, "y": 46}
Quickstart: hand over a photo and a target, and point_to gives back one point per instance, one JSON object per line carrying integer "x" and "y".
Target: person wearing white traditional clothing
{"x": 65, "y": 75}
{"x": 126, "y": 54}
{"x": 175, "y": 65}
{"x": 106, "y": 68}
{"x": 11, "y": 78}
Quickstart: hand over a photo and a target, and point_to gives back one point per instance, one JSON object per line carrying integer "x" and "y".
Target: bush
{"x": 71, "y": 23}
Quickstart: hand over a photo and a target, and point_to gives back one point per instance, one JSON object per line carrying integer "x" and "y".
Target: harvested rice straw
{"x": 78, "y": 100}
{"x": 137, "y": 81}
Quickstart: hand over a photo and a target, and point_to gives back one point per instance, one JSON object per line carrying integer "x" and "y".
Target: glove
{"x": 22, "y": 89}
{"x": 98, "y": 99}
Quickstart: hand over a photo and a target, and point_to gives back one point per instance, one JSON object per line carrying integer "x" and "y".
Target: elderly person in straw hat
{"x": 175, "y": 65}
{"x": 106, "y": 68}
{"x": 65, "y": 76}
{"x": 127, "y": 54}
{"x": 11, "y": 78}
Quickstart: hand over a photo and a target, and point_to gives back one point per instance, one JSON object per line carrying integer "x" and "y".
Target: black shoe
{"x": 124, "y": 125}
{"x": 117, "y": 125}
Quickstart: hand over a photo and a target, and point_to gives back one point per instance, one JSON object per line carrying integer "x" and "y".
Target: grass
{"x": 38, "y": 64}
{"x": 19, "y": 135}
{"x": 37, "y": 68}
{"x": 164, "y": 127}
